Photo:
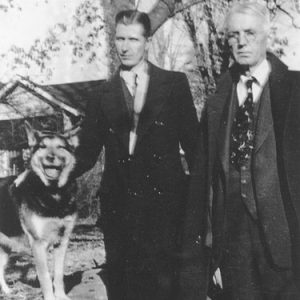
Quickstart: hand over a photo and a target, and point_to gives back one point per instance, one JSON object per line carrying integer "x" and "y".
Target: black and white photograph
{"x": 149, "y": 150}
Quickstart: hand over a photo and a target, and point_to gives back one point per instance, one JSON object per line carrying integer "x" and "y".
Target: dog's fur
{"x": 40, "y": 203}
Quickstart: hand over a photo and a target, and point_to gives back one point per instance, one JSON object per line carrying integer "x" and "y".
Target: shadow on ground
{"x": 83, "y": 264}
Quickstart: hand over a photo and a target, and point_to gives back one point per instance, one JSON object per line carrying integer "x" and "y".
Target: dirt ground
{"x": 84, "y": 258}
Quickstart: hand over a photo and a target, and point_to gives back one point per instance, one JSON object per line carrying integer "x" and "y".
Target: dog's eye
{"x": 42, "y": 146}
{"x": 62, "y": 147}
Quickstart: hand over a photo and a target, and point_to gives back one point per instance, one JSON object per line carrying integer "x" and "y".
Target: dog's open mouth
{"x": 52, "y": 172}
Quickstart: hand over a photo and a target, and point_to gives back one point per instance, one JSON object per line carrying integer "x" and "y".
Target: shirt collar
{"x": 140, "y": 69}
{"x": 260, "y": 73}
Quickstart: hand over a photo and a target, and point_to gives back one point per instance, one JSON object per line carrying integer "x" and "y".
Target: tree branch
{"x": 173, "y": 13}
{"x": 279, "y": 7}
{"x": 187, "y": 6}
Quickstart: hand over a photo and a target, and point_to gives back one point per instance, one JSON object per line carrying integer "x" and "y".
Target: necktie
{"x": 242, "y": 135}
{"x": 130, "y": 79}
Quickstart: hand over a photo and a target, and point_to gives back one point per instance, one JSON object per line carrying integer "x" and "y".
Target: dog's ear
{"x": 31, "y": 134}
{"x": 73, "y": 136}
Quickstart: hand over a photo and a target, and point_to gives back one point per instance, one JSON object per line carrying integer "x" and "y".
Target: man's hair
{"x": 129, "y": 17}
{"x": 249, "y": 8}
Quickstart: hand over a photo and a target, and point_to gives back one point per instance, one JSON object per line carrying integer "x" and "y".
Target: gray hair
{"x": 249, "y": 8}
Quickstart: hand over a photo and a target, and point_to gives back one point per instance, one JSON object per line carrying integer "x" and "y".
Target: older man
{"x": 141, "y": 116}
{"x": 250, "y": 154}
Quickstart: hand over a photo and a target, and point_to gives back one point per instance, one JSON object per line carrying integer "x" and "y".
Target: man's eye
{"x": 250, "y": 33}
{"x": 233, "y": 35}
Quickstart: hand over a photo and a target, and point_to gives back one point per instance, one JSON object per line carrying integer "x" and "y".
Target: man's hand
{"x": 217, "y": 278}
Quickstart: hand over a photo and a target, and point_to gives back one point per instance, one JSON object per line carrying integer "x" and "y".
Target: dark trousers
{"x": 131, "y": 274}
{"x": 125, "y": 283}
{"x": 246, "y": 268}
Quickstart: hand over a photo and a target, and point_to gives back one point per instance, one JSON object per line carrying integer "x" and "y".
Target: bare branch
{"x": 172, "y": 14}
{"x": 279, "y": 7}
{"x": 187, "y": 6}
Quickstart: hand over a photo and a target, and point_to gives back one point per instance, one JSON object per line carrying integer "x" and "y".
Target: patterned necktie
{"x": 242, "y": 135}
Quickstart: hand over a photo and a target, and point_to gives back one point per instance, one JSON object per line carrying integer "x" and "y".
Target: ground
{"x": 83, "y": 264}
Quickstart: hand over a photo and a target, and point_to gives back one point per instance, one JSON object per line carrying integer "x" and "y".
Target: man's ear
{"x": 148, "y": 42}
{"x": 31, "y": 134}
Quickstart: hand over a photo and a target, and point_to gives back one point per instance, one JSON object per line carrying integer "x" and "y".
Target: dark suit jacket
{"x": 208, "y": 182}
{"x": 141, "y": 196}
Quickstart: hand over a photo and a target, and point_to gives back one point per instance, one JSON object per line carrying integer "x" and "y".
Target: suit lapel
{"x": 225, "y": 130}
{"x": 220, "y": 109}
{"x": 277, "y": 89}
{"x": 116, "y": 111}
{"x": 157, "y": 95}
{"x": 264, "y": 119}
{"x": 280, "y": 95}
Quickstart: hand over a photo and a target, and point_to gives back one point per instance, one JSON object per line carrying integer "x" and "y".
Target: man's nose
{"x": 124, "y": 46}
{"x": 242, "y": 40}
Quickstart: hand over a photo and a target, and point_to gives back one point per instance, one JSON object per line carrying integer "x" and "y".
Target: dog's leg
{"x": 3, "y": 262}
{"x": 59, "y": 259}
{"x": 40, "y": 250}
{"x": 58, "y": 282}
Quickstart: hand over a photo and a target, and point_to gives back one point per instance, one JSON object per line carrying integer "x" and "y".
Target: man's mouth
{"x": 243, "y": 53}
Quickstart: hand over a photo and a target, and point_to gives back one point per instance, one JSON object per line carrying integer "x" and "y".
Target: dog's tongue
{"x": 52, "y": 173}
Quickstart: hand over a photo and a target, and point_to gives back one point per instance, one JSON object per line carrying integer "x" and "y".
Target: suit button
{"x": 123, "y": 161}
{"x": 159, "y": 123}
{"x": 156, "y": 157}
{"x": 198, "y": 240}
{"x": 244, "y": 195}
{"x": 132, "y": 193}
{"x": 157, "y": 191}
{"x": 244, "y": 181}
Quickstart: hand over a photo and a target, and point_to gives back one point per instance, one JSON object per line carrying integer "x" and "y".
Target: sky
{"x": 31, "y": 19}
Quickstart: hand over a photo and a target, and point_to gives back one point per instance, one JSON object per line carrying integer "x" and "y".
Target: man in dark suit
{"x": 247, "y": 176}
{"x": 141, "y": 117}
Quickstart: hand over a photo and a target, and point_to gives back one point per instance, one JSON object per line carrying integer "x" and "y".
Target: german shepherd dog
{"x": 40, "y": 204}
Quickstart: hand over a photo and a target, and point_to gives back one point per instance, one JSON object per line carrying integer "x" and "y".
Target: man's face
{"x": 247, "y": 39}
{"x": 131, "y": 44}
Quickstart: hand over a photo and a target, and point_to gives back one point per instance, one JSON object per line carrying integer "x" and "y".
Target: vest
{"x": 257, "y": 184}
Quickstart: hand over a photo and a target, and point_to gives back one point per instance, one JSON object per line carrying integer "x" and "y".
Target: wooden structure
{"x": 47, "y": 108}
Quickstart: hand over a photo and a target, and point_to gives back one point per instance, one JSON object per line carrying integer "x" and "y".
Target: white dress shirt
{"x": 261, "y": 75}
{"x": 137, "y": 81}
